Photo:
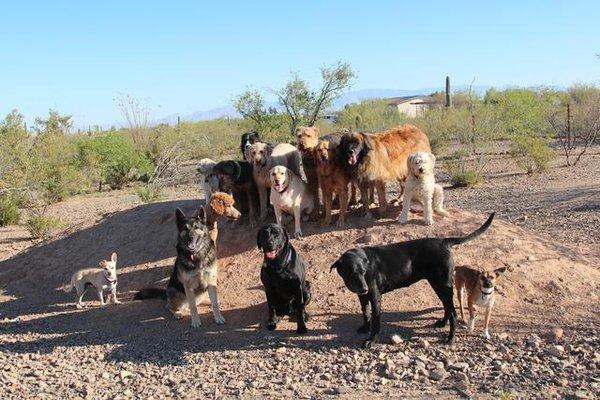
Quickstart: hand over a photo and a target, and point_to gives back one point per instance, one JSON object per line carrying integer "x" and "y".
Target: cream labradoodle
{"x": 421, "y": 186}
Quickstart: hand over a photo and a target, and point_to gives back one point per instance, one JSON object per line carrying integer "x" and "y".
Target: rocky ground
{"x": 544, "y": 328}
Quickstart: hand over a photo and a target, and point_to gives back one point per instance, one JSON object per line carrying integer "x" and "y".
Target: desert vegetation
{"x": 50, "y": 161}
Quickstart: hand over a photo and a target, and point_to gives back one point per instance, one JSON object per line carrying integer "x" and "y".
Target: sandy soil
{"x": 50, "y": 349}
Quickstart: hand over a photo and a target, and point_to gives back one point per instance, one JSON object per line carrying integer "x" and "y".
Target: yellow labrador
{"x": 289, "y": 194}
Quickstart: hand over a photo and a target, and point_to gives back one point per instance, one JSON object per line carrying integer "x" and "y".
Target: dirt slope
{"x": 549, "y": 283}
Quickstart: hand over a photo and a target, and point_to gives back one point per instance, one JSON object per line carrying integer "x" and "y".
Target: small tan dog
{"x": 289, "y": 194}
{"x": 219, "y": 205}
{"x": 421, "y": 186}
{"x": 480, "y": 286}
{"x": 102, "y": 278}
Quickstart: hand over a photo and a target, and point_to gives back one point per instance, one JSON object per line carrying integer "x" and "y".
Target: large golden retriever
{"x": 380, "y": 158}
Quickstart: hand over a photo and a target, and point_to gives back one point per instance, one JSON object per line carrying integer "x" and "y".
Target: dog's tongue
{"x": 279, "y": 187}
{"x": 352, "y": 160}
{"x": 271, "y": 254}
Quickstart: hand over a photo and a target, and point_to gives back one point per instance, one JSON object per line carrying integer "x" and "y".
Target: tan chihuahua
{"x": 480, "y": 286}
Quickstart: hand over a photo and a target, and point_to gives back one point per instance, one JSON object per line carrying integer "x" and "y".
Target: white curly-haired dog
{"x": 420, "y": 185}
{"x": 209, "y": 182}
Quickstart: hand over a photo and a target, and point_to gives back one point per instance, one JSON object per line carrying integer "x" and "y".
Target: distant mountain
{"x": 353, "y": 96}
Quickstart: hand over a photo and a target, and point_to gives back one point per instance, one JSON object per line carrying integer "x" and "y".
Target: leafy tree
{"x": 54, "y": 124}
{"x": 305, "y": 106}
{"x": 251, "y": 105}
{"x": 14, "y": 147}
{"x": 368, "y": 116}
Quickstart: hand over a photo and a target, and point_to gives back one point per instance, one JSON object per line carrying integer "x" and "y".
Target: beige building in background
{"x": 412, "y": 106}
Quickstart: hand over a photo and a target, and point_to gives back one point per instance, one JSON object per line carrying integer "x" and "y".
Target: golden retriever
{"x": 289, "y": 194}
{"x": 333, "y": 178}
{"x": 381, "y": 158}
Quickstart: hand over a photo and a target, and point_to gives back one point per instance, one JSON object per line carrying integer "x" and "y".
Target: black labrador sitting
{"x": 283, "y": 275}
{"x": 372, "y": 271}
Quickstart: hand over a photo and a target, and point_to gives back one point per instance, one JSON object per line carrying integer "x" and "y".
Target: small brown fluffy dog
{"x": 380, "y": 158}
{"x": 333, "y": 178}
{"x": 219, "y": 205}
{"x": 480, "y": 286}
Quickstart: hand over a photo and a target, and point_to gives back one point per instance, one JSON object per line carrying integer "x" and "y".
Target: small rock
{"x": 280, "y": 350}
{"x": 582, "y": 394}
{"x": 556, "y": 350}
{"x": 555, "y": 335}
{"x": 423, "y": 343}
{"x": 438, "y": 374}
{"x": 459, "y": 366}
{"x": 105, "y": 375}
{"x": 461, "y": 386}
{"x": 396, "y": 339}
{"x": 366, "y": 239}
{"x": 125, "y": 374}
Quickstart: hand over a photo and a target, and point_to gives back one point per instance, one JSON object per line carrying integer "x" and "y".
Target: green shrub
{"x": 531, "y": 153}
{"x": 40, "y": 225}
{"x": 465, "y": 171}
{"x": 9, "y": 211}
{"x": 149, "y": 193}
{"x": 111, "y": 158}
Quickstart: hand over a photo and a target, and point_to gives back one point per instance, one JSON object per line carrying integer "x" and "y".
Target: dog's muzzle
{"x": 487, "y": 291}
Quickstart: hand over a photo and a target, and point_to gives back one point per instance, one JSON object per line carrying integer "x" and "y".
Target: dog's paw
{"x": 448, "y": 340}
{"x": 79, "y": 306}
{"x": 428, "y": 222}
{"x": 301, "y": 330}
{"x": 486, "y": 335}
{"x": 367, "y": 344}
{"x": 271, "y": 325}
{"x": 298, "y": 234}
{"x": 363, "y": 329}
{"x": 443, "y": 213}
{"x": 196, "y": 323}
{"x": 219, "y": 319}
{"x": 403, "y": 219}
{"x": 178, "y": 315}
{"x": 117, "y": 302}
{"x": 440, "y": 323}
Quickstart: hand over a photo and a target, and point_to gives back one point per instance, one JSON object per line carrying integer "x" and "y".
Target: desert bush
{"x": 9, "y": 211}
{"x": 465, "y": 170}
{"x": 149, "y": 193}
{"x": 531, "y": 153}
{"x": 368, "y": 116}
{"x": 14, "y": 148}
{"x": 40, "y": 225}
{"x": 111, "y": 158}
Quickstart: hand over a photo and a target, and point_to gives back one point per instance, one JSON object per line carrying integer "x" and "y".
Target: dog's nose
{"x": 421, "y": 169}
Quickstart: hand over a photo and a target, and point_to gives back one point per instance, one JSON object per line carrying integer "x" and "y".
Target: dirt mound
{"x": 141, "y": 347}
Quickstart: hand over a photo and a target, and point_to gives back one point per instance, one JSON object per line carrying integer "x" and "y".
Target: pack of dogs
{"x": 328, "y": 171}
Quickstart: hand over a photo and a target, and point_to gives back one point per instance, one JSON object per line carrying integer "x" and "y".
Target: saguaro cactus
{"x": 448, "y": 96}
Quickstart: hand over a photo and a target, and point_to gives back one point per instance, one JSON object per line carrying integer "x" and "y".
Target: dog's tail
{"x": 151, "y": 293}
{"x": 453, "y": 241}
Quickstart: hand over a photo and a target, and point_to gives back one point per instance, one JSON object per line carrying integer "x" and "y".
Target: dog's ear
{"x": 287, "y": 238}
{"x": 410, "y": 160}
{"x": 258, "y": 244}
{"x": 201, "y": 215}
{"x": 499, "y": 271}
{"x": 367, "y": 143}
{"x": 333, "y": 266}
{"x": 180, "y": 219}
{"x": 113, "y": 257}
{"x": 216, "y": 203}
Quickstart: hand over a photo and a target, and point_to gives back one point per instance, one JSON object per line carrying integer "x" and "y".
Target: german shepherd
{"x": 195, "y": 271}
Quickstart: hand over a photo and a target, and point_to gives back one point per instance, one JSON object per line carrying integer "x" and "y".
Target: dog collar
{"x": 107, "y": 277}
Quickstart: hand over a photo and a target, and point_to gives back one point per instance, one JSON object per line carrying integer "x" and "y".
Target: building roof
{"x": 407, "y": 99}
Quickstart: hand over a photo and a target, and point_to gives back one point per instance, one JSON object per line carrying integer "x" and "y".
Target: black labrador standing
{"x": 283, "y": 274}
{"x": 372, "y": 271}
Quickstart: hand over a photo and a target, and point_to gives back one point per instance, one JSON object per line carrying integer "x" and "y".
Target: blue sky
{"x": 78, "y": 56}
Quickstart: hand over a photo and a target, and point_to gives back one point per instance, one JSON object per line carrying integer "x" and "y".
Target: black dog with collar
{"x": 235, "y": 177}
{"x": 374, "y": 270}
{"x": 283, "y": 274}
